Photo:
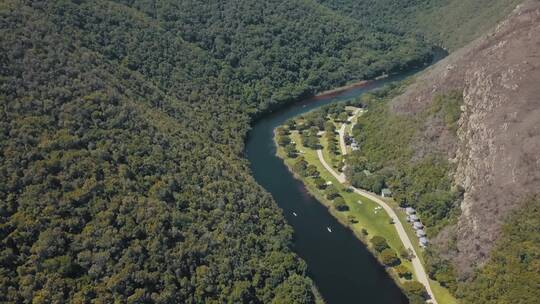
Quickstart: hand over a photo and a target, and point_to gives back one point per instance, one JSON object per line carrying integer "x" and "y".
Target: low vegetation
{"x": 450, "y": 23}
{"x": 512, "y": 273}
{"x": 385, "y": 158}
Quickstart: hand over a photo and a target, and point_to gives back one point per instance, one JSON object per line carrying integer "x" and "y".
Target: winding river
{"x": 340, "y": 265}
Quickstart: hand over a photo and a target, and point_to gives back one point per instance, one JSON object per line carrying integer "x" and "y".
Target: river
{"x": 339, "y": 264}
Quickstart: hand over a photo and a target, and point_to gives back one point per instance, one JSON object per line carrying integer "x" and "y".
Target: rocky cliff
{"x": 496, "y": 148}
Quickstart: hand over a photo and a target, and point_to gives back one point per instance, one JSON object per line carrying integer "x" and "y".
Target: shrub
{"x": 379, "y": 243}
{"x": 300, "y": 166}
{"x": 415, "y": 289}
{"x": 283, "y": 140}
{"x": 403, "y": 272}
{"x": 389, "y": 257}
{"x": 405, "y": 254}
{"x": 312, "y": 171}
{"x": 340, "y": 205}
{"x": 282, "y": 131}
{"x": 331, "y": 192}
{"x": 320, "y": 183}
{"x": 290, "y": 149}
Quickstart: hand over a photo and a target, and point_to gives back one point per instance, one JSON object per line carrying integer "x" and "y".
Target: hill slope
{"x": 121, "y": 135}
{"x": 460, "y": 142}
{"x": 450, "y": 23}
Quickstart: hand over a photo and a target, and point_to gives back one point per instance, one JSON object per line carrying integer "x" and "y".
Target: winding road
{"x": 419, "y": 269}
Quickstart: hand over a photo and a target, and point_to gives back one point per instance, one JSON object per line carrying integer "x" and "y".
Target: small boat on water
{"x": 329, "y": 230}
{"x": 294, "y": 213}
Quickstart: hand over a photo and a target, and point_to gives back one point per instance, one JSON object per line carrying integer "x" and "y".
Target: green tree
{"x": 331, "y": 192}
{"x": 415, "y": 289}
{"x": 340, "y": 205}
{"x": 283, "y": 140}
{"x": 389, "y": 257}
{"x": 379, "y": 243}
{"x": 312, "y": 171}
{"x": 320, "y": 183}
{"x": 291, "y": 151}
{"x": 403, "y": 272}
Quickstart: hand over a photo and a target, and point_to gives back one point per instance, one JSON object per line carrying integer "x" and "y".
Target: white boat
{"x": 329, "y": 230}
{"x": 294, "y": 213}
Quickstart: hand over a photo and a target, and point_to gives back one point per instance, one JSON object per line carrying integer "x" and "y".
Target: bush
{"x": 312, "y": 171}
{"x": 340, "y": 205}
{"x": 405, "y": 254}
{"x": 364, "y": 231}
{"x": 291, "y": 123}
{"x": 283, "y": 140}
{"x": 290, "y": 149}
{"x": 282, "y": 131}
{"x": 389, "y": 257}
{"x": 379, "y": 243}
{"x": 320, "y": 183}
{"x": 300, "y": 166}
{"x": 403, "y": 272}
{"x": 415, "y": 289}
{"x": 331, "y": 192}
{"x": 352, "y": 219}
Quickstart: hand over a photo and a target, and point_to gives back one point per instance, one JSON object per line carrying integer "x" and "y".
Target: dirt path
{"x": 419, "y": 270}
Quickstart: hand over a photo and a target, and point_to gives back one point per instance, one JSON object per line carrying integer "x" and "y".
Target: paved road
{"x": 419, "y": 270}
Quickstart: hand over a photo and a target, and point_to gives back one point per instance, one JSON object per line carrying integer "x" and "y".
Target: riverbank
{"x": 336, "y": 91}
{"x": 363, "y": 214}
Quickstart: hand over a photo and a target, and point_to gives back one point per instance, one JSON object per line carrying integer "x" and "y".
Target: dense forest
{"x": 448, "y": 23}
{"x": 121, "y": 138}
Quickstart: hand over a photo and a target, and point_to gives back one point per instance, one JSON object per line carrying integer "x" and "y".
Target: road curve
{"x": 419, "y": 270}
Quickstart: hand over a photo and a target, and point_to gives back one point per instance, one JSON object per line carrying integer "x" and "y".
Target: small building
{"x": 414, "y": 218}
{"x": 410, "y": 210}
{"x": 418, "y": 225}
{"x": 386, "y": 192}
{"x": 367, "y": 172}
{"x": 423, "y": 241}
{"x": 420, "y": 233}
{"x": 355, "y": 147}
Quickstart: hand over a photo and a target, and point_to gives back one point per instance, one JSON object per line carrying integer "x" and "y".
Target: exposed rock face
{"x": 498, "y": 141}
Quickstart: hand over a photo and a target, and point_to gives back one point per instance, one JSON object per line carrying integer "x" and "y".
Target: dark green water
{"x": 341, "y": 266}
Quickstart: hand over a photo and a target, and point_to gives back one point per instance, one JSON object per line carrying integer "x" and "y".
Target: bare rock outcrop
{"x": 497, "y": 148}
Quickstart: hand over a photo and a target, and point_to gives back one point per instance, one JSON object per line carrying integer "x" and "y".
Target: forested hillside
{"x": 449, "y": 23}
{"x": 122, "y": 125}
